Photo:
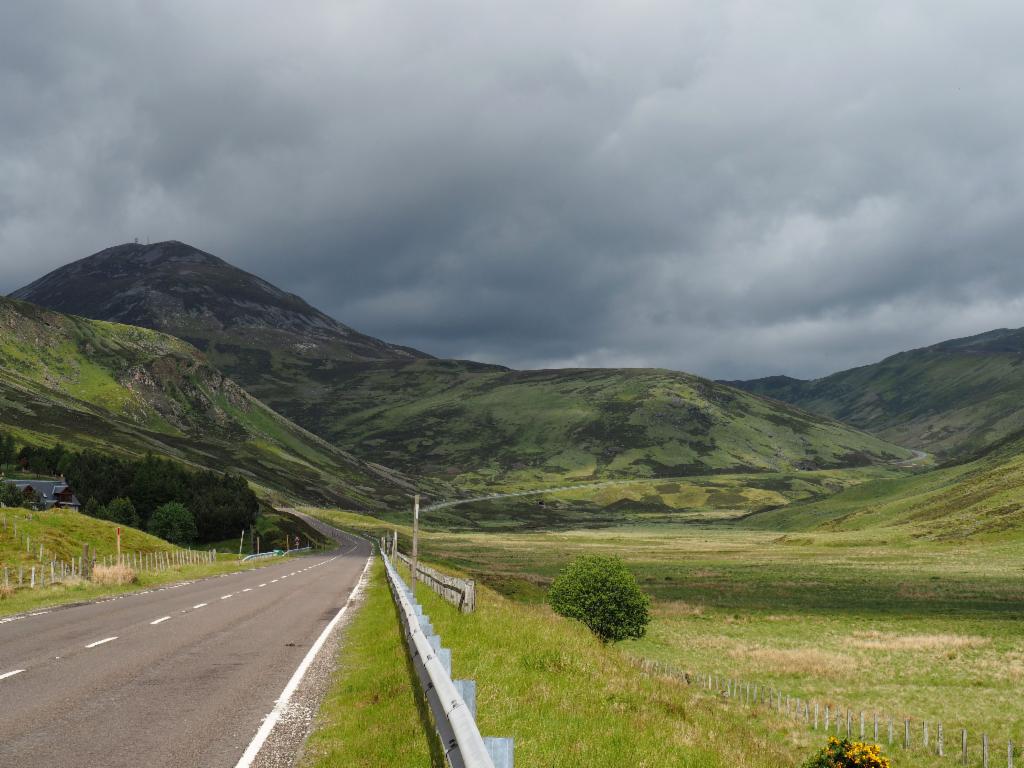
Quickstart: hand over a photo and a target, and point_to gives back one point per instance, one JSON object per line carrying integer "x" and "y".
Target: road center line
{"x": 247, "y": 589}
{"x": 101, "y": 642}
{"x": 225, "y": 597}
{"x": 263, "y": 585}
{"x": 159, "y": 621}
{"x": 11, "y": 674}
{"x": 200, "y": 605}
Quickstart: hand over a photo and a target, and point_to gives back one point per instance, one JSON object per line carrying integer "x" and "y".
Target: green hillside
{"x": 480, "y": 426}
{"x": 456, "y": 422}
{"x": 127, "y": 390}
{"x": 981, "y": 498}
{"x": 950, "y": 399}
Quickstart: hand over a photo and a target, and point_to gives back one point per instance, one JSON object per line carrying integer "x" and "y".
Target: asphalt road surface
{"x": 181, "y": 676}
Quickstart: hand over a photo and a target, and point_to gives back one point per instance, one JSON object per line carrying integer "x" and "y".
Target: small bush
{"x": 6, "y": 591}
{"x": 848, "y": 754}
{"x": 604, "y": 595}
{"x": 111, "y": 575}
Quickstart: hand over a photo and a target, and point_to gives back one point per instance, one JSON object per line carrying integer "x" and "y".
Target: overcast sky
{"x": 732, "y": 188}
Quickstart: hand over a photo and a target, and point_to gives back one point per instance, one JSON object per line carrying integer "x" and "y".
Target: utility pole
{"x": 415, "y": 537}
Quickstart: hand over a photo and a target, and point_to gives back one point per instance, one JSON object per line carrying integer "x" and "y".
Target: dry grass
{"x": 795, "y": 661}
{"x": 941, "y": 643}
{"x": 110, "y": 575}
{"x": 6, "y": 592}
{"x": 677, "y": 608}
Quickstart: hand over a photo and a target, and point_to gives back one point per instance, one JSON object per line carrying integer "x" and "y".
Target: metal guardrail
{"x": 261, "y": 556}
{"x": 276, "y": 553}
{"x": 453, "y": 702}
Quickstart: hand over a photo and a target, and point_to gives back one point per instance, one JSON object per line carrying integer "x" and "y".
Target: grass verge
{"x": 373, "y": 714}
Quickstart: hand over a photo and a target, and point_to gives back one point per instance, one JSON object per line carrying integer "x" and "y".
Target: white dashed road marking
{"x": 11, "y": 674}
{"x": 247, "y": 589}
{"x": 101, "y": 642}
{"x": 159, "y": 621}
{"x": 263, "y": 585}
{"x": 225, "y": 597}
{"x": 200, "y": 605}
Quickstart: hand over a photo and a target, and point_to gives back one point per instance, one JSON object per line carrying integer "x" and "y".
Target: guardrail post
{"x": 500, "y": 751}
{"x": 467, "y": 690}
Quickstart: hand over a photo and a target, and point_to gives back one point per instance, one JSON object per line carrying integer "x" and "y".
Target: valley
{"x": 826, "y": 539}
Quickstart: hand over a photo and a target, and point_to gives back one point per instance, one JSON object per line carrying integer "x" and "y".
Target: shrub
{"x": 174, "y": 523}
{"x": 121, "y": 510}
{"x": 10, "y": 496}
{"x": 113, "y": 574}
{"x": 604, "y": 595}
{"x": 848, "y": 754}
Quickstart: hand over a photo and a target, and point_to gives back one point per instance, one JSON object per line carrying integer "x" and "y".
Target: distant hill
{"x": 952, "y": 399}
{"x": 482, "y": 426}
{"x": 980, "y": 497}
{"x": 129, "y": 390}
{"x": 465, "y": 423}
{"x": 270, "y": 341}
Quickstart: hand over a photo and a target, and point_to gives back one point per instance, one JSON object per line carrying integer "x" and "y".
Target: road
{"x": 181, "y": 676}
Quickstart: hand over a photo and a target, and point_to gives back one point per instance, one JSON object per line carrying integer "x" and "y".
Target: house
{"x": 52, "y": 493}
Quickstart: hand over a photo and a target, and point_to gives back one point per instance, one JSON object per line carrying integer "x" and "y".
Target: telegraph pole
{"x": 415, "y": 537}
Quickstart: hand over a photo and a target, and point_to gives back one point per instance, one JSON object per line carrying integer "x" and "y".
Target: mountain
{"x": 952, "y": 399}
{"x": 479, "y": 426}
{"x": 464, "y": 423}
{"x": 270, "y": 341}
{"x": 128, "y": 390}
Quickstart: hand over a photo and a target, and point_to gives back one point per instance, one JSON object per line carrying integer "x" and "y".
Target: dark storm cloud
{"x": 732, "y": 188}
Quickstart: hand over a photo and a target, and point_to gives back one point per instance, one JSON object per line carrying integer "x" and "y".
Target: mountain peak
{"x": 239, "y": 319}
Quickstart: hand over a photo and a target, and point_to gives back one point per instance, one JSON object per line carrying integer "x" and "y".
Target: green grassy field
{"x": 875, "y": 620}
{"x": 565, "y": 698}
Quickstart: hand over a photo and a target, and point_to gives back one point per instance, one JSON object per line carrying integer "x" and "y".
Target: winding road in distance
{"x": 180, "y": 676}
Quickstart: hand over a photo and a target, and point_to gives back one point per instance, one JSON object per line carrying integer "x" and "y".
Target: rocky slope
{"x": 130, "y": 390}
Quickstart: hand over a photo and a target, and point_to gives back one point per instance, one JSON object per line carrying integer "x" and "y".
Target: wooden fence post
{"x": 963, "y": 744}
{"x": 906, "y": 733}
{"x": 939, "y": 739}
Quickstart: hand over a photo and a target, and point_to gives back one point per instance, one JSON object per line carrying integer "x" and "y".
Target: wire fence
{"x": 958, "y": 746}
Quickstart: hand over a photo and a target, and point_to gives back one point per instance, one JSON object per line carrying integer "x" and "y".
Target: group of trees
{"x": 164, "y": 497}
{"x": 8, "y": 449}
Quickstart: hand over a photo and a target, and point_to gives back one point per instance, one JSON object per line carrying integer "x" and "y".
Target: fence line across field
{"x": 459, "y": 592}
{"x": 50, "y": 570}
{"x": 843, "y": 720}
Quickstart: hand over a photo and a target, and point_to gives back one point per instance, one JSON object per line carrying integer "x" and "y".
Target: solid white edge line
{"x": 11, "y": 674}
{"x": 282, "y": 703}
{"x": 159, "y": 621}
{"x": 101, "y": 642}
